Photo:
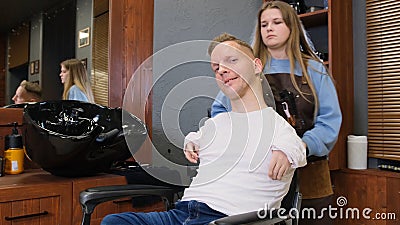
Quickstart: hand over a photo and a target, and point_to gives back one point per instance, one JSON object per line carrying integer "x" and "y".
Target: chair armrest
{"x": 250, "y": 217}
{"x": 91, "y": 197}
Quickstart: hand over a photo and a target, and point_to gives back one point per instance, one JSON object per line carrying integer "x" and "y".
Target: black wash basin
{"x": 73, "y": 138}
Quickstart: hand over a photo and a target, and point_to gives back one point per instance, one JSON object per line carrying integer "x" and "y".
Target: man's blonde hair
{"x": 32, "y": 89}
{"x": 227, "y": 37}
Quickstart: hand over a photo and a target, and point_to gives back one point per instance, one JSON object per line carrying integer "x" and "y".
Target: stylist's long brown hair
{"x": 77, "y": 76}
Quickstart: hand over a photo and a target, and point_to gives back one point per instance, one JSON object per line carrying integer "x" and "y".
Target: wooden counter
{"x": 45, "y": 199}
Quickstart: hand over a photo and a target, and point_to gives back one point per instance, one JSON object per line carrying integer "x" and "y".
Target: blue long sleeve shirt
{"x": 323, "y": 136}
{"x": 75, "y": 93}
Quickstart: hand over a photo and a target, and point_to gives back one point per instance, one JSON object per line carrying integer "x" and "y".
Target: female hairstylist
{"x": 76, "y": 82}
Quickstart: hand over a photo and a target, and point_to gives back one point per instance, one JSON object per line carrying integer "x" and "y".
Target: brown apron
{"x": 314, "y": 178}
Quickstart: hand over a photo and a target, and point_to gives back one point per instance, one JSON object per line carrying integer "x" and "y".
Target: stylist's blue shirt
{"x": 75, "y": 93}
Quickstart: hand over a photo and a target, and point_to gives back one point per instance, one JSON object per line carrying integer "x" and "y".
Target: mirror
{"x": 35, "y": 41}
{"x": 55, "y": 31}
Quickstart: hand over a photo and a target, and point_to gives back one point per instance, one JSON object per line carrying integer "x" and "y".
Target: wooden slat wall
{"x": 340, "y": 30}
{"x": 99, "y": 73}
{"x": 131, "y": 43}
{"x": 383, "y": 55}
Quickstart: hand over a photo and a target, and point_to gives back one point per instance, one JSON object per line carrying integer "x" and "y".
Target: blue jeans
{"x": 185, "y": 213}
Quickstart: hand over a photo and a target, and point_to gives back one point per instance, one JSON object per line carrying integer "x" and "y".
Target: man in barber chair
{"x": 27, "y": 92}
{"x": 247, "y": 157}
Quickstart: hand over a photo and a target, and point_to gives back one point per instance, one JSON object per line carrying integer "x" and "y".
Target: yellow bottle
{"x": 14, "y": 154}
{"x": 14, "y": 161}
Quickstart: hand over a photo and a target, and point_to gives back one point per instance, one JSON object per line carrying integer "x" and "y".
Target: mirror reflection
{"x": 34, "y": 43}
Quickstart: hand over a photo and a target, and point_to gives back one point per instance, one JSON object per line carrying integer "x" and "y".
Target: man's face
{"x": 234, "y": 68}
{"x": 20, "y": 96}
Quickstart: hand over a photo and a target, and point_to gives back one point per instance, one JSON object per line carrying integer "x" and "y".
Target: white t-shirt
{"x": 234, "y": 158}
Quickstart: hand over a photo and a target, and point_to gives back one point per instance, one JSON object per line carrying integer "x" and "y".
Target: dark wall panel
{"x": 3, "y": 54}
{"x": 58, "y": 44}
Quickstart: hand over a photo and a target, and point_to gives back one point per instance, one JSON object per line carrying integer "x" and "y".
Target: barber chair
{"x": 72, "y": 138}
{"x": 287, "y": 214}
{"x": 140, "y": 184}
{"x": 291, "y": 203}
{"x": 91, "y": 197}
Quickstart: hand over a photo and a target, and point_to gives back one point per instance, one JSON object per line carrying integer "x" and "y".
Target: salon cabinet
{"x": 36, "y": 197}
{"x": 375, "y": 189}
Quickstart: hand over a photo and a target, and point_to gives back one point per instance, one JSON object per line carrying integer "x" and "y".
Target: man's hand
{"x": 192, "y": 152}
{"x": 279, "y": 165}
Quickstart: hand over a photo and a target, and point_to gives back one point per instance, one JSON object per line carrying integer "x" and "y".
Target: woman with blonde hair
{"x": 76, "y": 82}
